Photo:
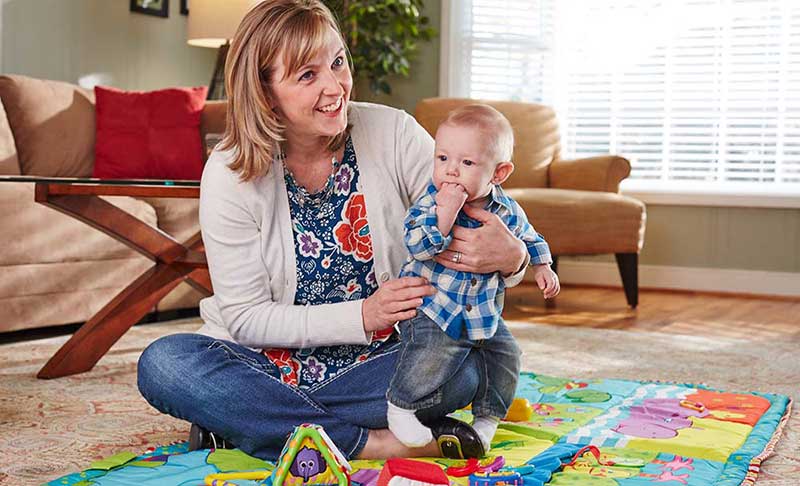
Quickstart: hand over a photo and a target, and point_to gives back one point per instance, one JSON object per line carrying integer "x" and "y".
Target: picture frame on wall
{"x": 159, "y": 8}
{"x": 184, "y": 7}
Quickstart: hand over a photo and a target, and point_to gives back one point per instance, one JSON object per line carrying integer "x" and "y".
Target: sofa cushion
{"x": 177, "y": 217}
{"x": 584, "y": 222}
{"x": 9, "y": 163}
{"x": 53, "y": 126}
{"x": 149, "y": 135}
{"x": 34, "y": 233}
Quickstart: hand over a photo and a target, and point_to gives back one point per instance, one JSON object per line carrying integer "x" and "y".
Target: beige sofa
{"x": 53, "y": 268}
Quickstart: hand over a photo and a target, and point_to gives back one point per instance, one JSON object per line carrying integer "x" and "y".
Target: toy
{"x": 519, "y": 411}
{"x": 311, "y": 457}
{"x": 408, "y": 472}
{"x": 499, "y": 478}
{"x": 474, "y": 466}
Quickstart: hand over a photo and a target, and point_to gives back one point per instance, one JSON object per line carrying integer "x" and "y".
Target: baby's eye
{"x": 468, "y": 162}
{"x": 307, "y": 76}
{"x": 441, "y": 158}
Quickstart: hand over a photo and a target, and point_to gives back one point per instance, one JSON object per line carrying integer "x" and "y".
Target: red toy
{"x": 407, "y": 472}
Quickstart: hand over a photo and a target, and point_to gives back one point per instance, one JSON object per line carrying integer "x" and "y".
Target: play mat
{"x": 646, "y": 434}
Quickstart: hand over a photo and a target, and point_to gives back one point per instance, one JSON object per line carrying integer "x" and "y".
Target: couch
{"x": 574, "y": 204}
{"x": 53, "y": 268}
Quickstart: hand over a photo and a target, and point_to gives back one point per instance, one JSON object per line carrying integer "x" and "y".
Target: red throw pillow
{"x": 149, "y": 135}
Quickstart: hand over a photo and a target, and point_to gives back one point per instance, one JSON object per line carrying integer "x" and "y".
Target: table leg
{"x": 174, "y": 262}
{"x": 99, "y": 333}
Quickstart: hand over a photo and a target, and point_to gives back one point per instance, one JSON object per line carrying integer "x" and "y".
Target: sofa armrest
{"x": 602, "y": 173}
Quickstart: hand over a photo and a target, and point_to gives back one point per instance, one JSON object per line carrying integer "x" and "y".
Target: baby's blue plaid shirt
{"x": 464, "y": 300}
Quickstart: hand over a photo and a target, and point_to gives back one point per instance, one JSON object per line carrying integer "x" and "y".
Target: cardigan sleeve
{"x": 414, "y": 153}
{"x": 241, "y": 278}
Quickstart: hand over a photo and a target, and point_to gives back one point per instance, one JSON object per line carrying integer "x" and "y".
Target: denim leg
{"x": 235, "y": 392}
{"x": 428, "y": 360}
{"x": 358, "y": 394}
{"x": 500, "y": 372}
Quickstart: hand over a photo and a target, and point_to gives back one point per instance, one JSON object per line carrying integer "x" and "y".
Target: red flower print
{"x": 382, "y": 335}
{"x": 288, "y": 367}
{"x": 352, "y": 233}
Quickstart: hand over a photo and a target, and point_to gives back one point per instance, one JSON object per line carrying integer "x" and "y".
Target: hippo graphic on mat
{"x": 658, "y": 418}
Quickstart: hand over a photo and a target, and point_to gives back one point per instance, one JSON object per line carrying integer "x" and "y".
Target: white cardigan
{"x": 249, "y": 243}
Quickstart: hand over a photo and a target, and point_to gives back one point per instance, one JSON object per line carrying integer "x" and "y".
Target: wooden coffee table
{"x": 174, "y": 261}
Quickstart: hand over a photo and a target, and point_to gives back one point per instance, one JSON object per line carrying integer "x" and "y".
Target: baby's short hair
{"x": 489, "y": 121}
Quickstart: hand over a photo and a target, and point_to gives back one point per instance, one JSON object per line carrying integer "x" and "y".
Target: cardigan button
{"x": 385, "y": 277}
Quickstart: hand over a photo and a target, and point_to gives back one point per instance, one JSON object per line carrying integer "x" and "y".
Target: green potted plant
{"x": 383, "y": 36}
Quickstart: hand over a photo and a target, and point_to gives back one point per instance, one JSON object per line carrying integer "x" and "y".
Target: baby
{"x": 472, "y": 158}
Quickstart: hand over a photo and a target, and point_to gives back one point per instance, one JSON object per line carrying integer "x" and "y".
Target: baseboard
{"x": 683, "y": 278}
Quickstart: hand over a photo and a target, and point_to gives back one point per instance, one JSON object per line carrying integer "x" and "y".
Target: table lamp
{"x": 212, "y": 23}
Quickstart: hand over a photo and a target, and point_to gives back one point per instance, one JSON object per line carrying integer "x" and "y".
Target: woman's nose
{"x": 332, "y": 84}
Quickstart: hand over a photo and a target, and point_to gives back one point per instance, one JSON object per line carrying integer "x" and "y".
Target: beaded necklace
{"x": 303, "y": 196}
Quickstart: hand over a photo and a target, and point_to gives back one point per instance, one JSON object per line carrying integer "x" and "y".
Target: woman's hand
{"x": 396, "y": 300}
{"x": 490, "y": 248}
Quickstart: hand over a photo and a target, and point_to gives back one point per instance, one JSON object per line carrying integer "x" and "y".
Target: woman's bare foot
{"x": 382, "y": 444}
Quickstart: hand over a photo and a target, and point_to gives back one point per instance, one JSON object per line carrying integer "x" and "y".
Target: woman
{"x": 301, "y": 212}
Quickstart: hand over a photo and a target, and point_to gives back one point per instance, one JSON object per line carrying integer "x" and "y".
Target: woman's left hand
{"x": 487, "y": 249}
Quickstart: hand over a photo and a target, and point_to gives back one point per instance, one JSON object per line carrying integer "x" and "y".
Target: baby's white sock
{"x": 485, "y": 427}
{"x": 405, "y": 425}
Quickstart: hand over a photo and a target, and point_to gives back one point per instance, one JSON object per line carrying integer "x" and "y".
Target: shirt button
{"x": 384, "y": 277}
{"x": 412, "y": 222}
{"x": 469, "y": 307}
{"x": 474, "y": 281}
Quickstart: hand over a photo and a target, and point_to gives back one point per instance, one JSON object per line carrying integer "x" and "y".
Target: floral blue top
{"x": 333, "y": 251}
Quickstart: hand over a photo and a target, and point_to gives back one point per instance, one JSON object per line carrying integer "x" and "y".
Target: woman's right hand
{"x": 396, "y": 300}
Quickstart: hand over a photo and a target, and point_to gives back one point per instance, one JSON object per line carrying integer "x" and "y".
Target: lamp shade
{"x": 212, "y": 23}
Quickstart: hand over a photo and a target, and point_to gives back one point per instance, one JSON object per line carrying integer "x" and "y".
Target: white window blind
{"x": 502, "y": 49}
{"x": 696, "y": 93}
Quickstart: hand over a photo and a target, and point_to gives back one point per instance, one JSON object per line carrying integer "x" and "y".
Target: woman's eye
{"x": 307, "y": 75}
{"x": 338, "y": 62}
{"x": 468, "y": 162}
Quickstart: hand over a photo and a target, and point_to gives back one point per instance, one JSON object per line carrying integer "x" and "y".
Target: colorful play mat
{"x": 646, "y": 433}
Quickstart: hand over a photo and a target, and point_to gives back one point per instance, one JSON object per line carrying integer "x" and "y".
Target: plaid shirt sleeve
{"x": 517, "y": 222}
{"x": 422, "y": 237}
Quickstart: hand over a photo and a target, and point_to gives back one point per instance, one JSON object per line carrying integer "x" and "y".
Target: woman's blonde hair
{"x": 295, "y": 29}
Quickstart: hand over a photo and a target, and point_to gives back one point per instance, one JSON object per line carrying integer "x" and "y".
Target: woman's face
{"x": 312, "y": 102}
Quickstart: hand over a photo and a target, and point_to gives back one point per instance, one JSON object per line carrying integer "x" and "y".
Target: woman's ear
{"x": 501, "y": 172}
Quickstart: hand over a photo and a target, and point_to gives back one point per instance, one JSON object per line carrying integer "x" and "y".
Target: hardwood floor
{"x": 720, "y": 315}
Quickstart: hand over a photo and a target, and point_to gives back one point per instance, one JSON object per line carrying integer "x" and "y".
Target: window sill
{"x": 784, "y": 198}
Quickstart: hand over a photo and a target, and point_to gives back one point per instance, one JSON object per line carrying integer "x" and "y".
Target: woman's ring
{"x": 457, "y": 257}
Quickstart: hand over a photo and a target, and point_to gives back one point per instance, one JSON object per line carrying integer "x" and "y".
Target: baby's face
{"x": 462, "y": 157}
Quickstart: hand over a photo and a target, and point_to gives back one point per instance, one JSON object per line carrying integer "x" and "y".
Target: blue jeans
{"x": 430, "y": 357}
{"x": 237, "y": 393}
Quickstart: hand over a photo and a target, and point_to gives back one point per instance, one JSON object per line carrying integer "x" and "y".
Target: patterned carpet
{"x": 51, "y": 428}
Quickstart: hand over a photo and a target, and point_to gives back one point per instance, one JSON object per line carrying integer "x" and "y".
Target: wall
{"x": 67, "y": 39}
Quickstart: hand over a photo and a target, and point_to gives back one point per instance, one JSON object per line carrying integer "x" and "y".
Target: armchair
{"x": 575, "y": 204}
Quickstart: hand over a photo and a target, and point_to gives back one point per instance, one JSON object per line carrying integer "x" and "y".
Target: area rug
{"x": 52, "y": 428}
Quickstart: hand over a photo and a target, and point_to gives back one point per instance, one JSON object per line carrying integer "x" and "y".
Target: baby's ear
{"x": 502, "y": 171}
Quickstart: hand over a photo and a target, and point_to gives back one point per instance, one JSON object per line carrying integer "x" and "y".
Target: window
{"x": 698, "y": 94}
